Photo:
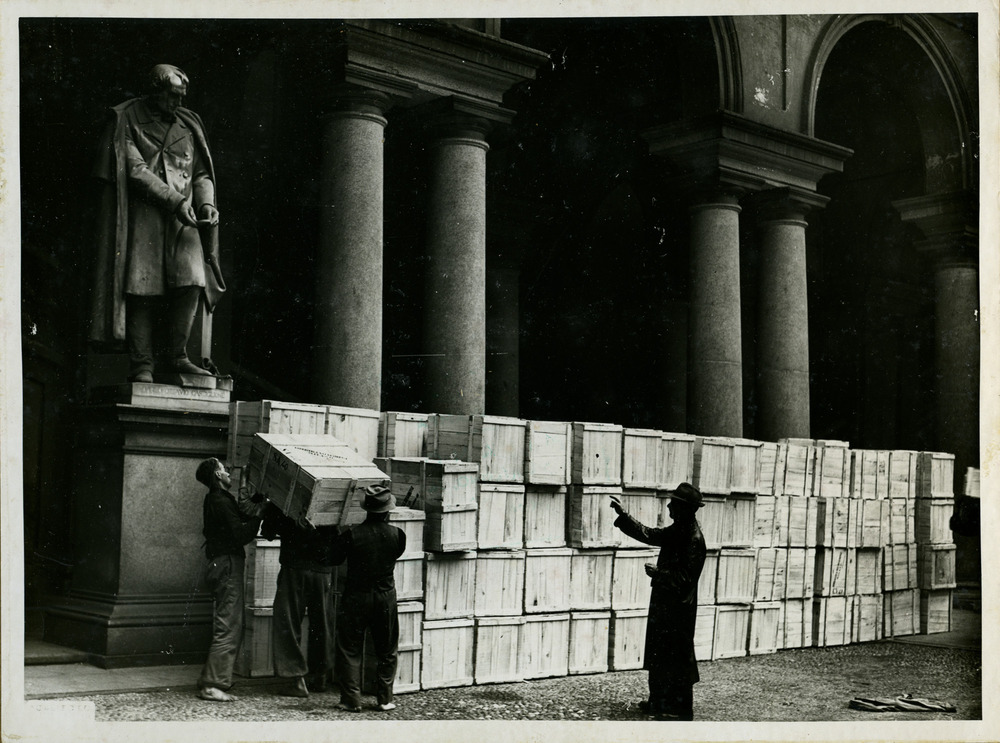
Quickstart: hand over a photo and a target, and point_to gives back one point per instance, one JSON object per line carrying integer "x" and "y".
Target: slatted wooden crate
{"x": 548, "y": 449}
{"x": 710, "y": 517}
{"x": 402, "y": 434}
{"x": 448, "y": 653}
{"x": 899, "y": 474}
{"x": 708, "y": 578}
{"x": 866, "y": 614}
{"x": 713, "y": 465}
{"x": 772, "y": 563}
{"x": 873, "y": 524}
{"x": 899, "y": 567}
{"x": 451, "y": 528}
{"x": 864, "y": 474}
{"x": 260, "y": 574}
{"x": 498, "y": 645}
{"x": 545, "y": 646}
{"x": 411, "y": 521}
{"x": 547, "y": 580}
{"x": 545, "y": 515}
{"x": 311, "y": 475}
{"x": 832, "y": 477}
{"x": 432, "y": 482}
{"x": 764, "y": 634}
{"x": 797, "y": 625}
{"x": 450, "y": 585}
{"x": 627, "y": 641}
{"x": 780, "y": 464}
{"x": 255, "y": 656}
{"x": 589, "y": 635}
{"x": 766, "y": 464}
{"x": 833, "y": 521}
{"x": 831, "y": 620}
{"x": 835, "y": 572}
{"x": 630, "y": 586}
{"x": 799, "y": 466}
{"x": 737, "y": 576}
{"x": 499, "y": 587}
{"x": 899, "y": 514}
{"x": 746, "y": 467}
{"x": 738, "y": 520}
{"x": 935, "y": 611}
{"x": 269, "y": 416}
{"x": 802, "y": 521}
{"x": 408, "y": 652}
{"x": 408, "y": 572}
{"x": 640, "y": 458}
{"x": 676, "y": 460}
{"x": 590, "y": 518}
{"x": 590, "y": 579}
{"x": 704, "y": 632}
{"x": 763, "y": 521}
{"x": 932, "y": 520}
{"x": 869, "y": 570}
{"x": 356, "y": 427}
{"x": 936, "y": 566}
{"x": 501, "y": 516}
{"x": 800, "y": 575}
{"x": 496, "y": 443}
{"x": 732, "y": 625}
{"x": 971, "y": 482}
{"x": 901, "y": 612}
{"x": 935, "y": 475}
{"x": 646, "y": 507}
{"x": 597, "y": 454}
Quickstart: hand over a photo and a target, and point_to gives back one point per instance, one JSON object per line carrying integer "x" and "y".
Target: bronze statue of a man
{"x": 157, "y": 252}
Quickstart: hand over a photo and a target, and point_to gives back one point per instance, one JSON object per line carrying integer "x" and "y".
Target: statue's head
{"x": 168, "y": 86}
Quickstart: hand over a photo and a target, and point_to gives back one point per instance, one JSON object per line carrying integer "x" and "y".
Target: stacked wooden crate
{"x": 936, "y": 550}
{"x": 835, "y": 575}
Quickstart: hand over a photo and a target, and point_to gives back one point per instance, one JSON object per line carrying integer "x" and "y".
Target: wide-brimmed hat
{"x": 687, "y": 493}
{"x": 378, "y": 499}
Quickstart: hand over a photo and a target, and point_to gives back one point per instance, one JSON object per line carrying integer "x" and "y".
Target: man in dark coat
{"x": 369, "y": 600}
{"x": 673, "y": 603}
{"x": 157, "y": 232}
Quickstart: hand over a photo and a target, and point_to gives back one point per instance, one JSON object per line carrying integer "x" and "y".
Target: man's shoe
{"x": 388, "y": 707}
{"x": 144, "y": 376}
{"x": 186, "y": 366}
{"x": 317, "y": 683}
{"x": 296, "y": 688}
{"x": 348, "y": 707}
{"x": 644, "y": 706}
{"x": 211, "y": 694}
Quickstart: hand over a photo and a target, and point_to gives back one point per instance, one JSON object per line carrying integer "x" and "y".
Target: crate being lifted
{"x": 312, "y": 475}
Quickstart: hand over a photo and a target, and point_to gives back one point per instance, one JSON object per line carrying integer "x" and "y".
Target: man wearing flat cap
{"x": 673, "y": 603}
{"x": 369, "y": 599}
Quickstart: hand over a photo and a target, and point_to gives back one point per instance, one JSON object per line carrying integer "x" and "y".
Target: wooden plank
{"x": 501, "y": 516}
{"x": 737, "y": 575}
{"x": 547, "y": 580}
{"x": 766, "y": 467}
{"x": 868, "y": 571}
{"x": 738, "y": 520}
{"x": 450, "y": 589}
{"x": 448, "y": 653}
{"x": 764, "y": 632}
{"x": 499, "y": 584}
{"x": 627, "y": 640}
{"x": 590, "y": 579}
{"x": 832, "y": 621}
{"x": 745, "y": 467}
{"x": 708, "y": 578}
{"x": 710, "y": 517}
{"x": 498, "y": 645}
{"x": 704, "y": 633}
{"x": 771, "y": 569}
{"x": 545, "y": 646}
{"x": 764, "y": 521}
{"x": 545, "y": 516}
{"x": 732, "y": 624}
{"x": 589, "y": 636}
{"x": 867, "y": 618}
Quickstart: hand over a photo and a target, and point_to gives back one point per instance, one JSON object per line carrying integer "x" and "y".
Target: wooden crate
{"x": 765, "y": 468}
{"x": 708, "y": 578}
{"x": 710, "y": 517}
{"x": 901, "y": 612}
{"x": 630, "y": 586}
{"x": 269, "y": 416}
{"x": 496, "y": 443}
{"x": 866, "y": 618}
{"x": 627, "y": 642}
{"x": 746, "y": 467}
{"x": 832, "y": 476}
{"x": 448, "y": 653}
{"x": 935, "y": 611}
{"x": 800, "y": 463}
{"x": 833, "y": 522}
{"x": 597, "y": 454}
{"x": 771, "y": 566}
{"x": 835, "y": 572}
{"x": 408, "y": 573}
{"x": 498, "y": 644}
{"x": 899, "y": 567}
{"x": 450, "y": 585}
{"x": 260, "y": 574}
{"x": 356, "y": 427}
{"x": 704, "y": 633}
{"x": 797, "y": 625}
{"x": 738, "y": 514}
{"x": 548, "y": 449}
{"x": 402, "y": 434}
{"x": 864, "y": 474}
{"x": 803, "y": 514}
{"x": 676, "y": 460}
{"x": 499, "y": 590}
{"x": 545, "y": 646}
{"x": 898, "y": 515}
{"x": 899, "y": 474}
{"x": 312, "y": 475}
{"x": 971, "y": 482}
{"x": 451, "y": 528}
{"x": 431, "y": 482}
{"x": 800, "y": 576}
{"x": 640, "y": 458}
{"x": 411, "y": 521}
{"x": 408, "y": 652}
{"x": 732, "y": 624}
{"x": 547, "y": 580}
{"x": 831, "y": 620}
{"x": 545, "y": 516}
{"x": 589, "y": 635}
{"x": 936, "y": 566}
{"x": 868, "y": 571}
{"x": 590, "y": 579}
{"x": 713, "y": 465}
{"x": 737, "y": 576}
{"x": 645, "y": 506}
{"x": 935, "y": 475}
{"x": 501, "y": 516}
{"x": 764, "y": 633}
{"x": 932, "y": 520}
{"x": 590, "y": 519}
{"x": 763, "y": 521}
{"x": 255, "y": 656}
{"x": 873, "y": 524}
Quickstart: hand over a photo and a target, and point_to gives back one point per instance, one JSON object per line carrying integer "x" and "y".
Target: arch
{"x": 920, "y": 29}
{"x": 730, "y": 64}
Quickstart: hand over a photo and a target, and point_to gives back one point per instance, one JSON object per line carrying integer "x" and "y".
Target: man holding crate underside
{"x": 673, "y": 603}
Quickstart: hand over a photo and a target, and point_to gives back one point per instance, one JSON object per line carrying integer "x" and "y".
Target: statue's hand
{"x": 185, "y": 213}
{"x": 208, "y": 215}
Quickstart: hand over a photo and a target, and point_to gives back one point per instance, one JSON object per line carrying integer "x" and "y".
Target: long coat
{"x": 150, "y": 166}
{"x": 673, "y": 601}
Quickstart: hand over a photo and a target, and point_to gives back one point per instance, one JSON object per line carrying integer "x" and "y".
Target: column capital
{"x": 350, "y": 100}
{"x": 463, "y": 118}
{"x": 948, "y": 224}
{"x": 786, "y": 204}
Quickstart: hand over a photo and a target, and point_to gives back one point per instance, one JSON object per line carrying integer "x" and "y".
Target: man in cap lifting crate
{"x": 368, "y": 602}
{"x": 303, "y": 588}
{"x": 228, "y": 526}
{"x": 673, "y": 603}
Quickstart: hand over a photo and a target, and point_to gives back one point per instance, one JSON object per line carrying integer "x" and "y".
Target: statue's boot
{"x": 139, "y": 313}
{"x": 183, "y": 306}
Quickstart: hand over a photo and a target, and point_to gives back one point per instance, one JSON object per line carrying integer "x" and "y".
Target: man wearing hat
{"x": 673, "y": 603}
{"x": 369, "y": 599}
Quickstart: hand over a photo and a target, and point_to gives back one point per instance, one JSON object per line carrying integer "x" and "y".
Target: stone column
{"x": 455, "y": 292}
{"x": 347, "y": 351}
{"x": 503, "y": 341}
{"x": 715, "y": 353}
{"x": 783, "y": 318}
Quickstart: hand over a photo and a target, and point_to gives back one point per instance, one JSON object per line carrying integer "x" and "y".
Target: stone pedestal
{"x": 138, "y": 593}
